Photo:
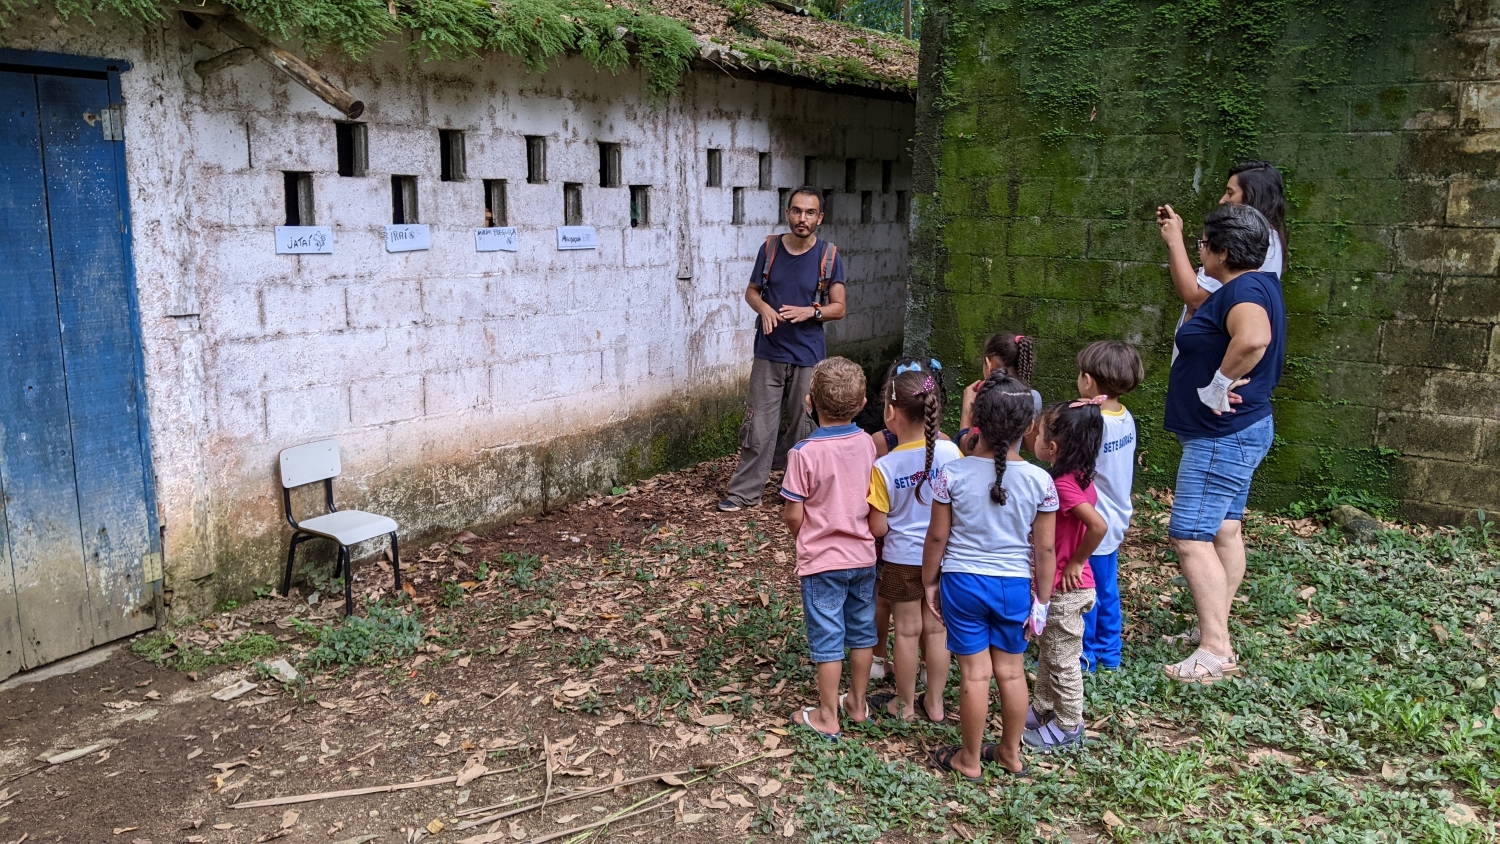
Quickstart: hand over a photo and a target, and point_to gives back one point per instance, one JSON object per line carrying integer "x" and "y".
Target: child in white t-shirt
{"x": 901, "y": 498}
{"x": 1110, "y": 368}
{"x": 993, "y": 522}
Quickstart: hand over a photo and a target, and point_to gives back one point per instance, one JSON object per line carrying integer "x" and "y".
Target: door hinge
{"x": 151, "y": 565}
{"x": 112, "y": 121}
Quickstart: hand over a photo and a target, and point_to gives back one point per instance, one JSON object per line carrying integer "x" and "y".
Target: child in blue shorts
{"x": 1110, "y": 369}
{"x": 992, "y": 513}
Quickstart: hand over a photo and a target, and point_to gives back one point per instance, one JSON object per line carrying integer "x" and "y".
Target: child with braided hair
{"x": 992, "y": 515}
{"x": 901, "y": 504}
{"x": 1012, "y": 354}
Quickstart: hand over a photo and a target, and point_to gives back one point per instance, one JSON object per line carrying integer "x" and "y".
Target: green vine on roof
{"x": 535, "y": 31}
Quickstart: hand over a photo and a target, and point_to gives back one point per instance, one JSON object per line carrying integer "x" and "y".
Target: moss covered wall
{"x": 1049, "y": 130}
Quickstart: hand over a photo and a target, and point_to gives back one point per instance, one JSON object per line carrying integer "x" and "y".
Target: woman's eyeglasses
{"x": 1202, "y": 243}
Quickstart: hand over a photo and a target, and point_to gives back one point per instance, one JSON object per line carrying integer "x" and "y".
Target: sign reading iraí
{"x": 407, "y": 238}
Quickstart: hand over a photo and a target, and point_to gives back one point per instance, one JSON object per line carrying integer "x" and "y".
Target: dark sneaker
{"x": 1035, "y": 720}
{"x": 729, "y": 505}
{"x": 1051, "y": 737}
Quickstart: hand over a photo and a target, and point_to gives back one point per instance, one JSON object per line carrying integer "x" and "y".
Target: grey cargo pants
{"x": 777, "y": 392}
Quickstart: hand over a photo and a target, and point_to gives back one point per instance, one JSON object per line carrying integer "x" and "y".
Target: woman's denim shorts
{"x": 1213, "y": 480}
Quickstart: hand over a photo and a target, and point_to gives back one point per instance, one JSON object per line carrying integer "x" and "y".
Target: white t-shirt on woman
{"x": 1275, "y": 262}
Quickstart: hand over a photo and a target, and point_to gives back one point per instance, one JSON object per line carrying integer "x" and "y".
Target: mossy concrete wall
{"x": 1048, "y": 132}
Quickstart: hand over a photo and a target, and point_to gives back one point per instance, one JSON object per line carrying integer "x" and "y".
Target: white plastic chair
{"x": 319, "y": 461}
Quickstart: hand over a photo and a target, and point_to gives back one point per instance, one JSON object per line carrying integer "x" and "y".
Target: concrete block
{"x": 1468, "y": 394}
{"x": 449, "y": 300}
{"x": 1430, "y": 435}
{"x": 219, "y": 140}
{"x": 241, "y": 414}
{"x": 231, "y": 312}
{"x": 297, "y": 416}
{"x": 1435, "y": 345}
{"x": 304, "y": 309}
{"x": 384, "y": 304}
{"x": 1470, "y": 299}
{"x": 1479, "y": 105}
{"x": 375, "y": 402}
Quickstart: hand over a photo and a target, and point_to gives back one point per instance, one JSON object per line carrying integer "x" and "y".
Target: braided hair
{"x": 1077, "y": 429}
{"x": 917, "y": 394}
{"x": 1015, "y": 353}
{"x": 1003, "y": 411}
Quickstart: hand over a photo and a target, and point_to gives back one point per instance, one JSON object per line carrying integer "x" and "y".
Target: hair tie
{"x": 908, "y": 367}
{"x": 1020, "y": 337}
{"x": 1096, "y": 400}
{"x": 936, "y": 367}
{"x": 927, "y": 386}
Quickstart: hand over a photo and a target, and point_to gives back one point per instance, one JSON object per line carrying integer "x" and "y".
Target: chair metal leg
{"x": 396, "y": 561}
{"x": 344, "y": 558}
{"x": 291, "y": 561}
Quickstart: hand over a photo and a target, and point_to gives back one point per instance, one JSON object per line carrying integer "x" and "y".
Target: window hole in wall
{"x": 640, "y": 206}
{"x": 536, "y": 159}
{"x": 783, "y": 196}
{"x": 887, "y": 172}
{"x": 404, "y": 200}
{"x": 903, "y": 206}
{"x": 299, "y": 198}
{"x": 353, "y": 141}
{"x": 609, "y": 165}
{"x": 715, "y": 168}
{"x": 495, "y": 210}
{"x": 851, "y": 175}
{"x": 867, "y": 207}
{"x": 738, "y": 217}
{"x": 572, "y": 203}
{"x": 809, "y": 169}
{"x": 765, "y": 171}
{"x": 451, "y": 155}
{"x": 828, "y": 204}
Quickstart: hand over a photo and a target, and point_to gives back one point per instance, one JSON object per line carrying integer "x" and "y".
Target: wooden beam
{"x": 281, "y": 59}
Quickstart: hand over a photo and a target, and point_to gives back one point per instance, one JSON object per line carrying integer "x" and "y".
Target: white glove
{"x": 1216, "y": 394}
{"x": 1038, "y": 620}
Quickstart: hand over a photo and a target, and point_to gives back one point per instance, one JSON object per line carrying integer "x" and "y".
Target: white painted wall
{"x": 421, "y": 363}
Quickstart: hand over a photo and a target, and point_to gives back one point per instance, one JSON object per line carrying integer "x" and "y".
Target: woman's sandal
{"x": 1203, "y": 668}
{"x": 942, "y": 758}
{"x": 805, "y": 723}
{"x": 851, "y": 714}
{"x": 990, "y": 752}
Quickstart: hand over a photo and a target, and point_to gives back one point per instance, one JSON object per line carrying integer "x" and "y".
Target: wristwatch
{"x": 817, "y": 313}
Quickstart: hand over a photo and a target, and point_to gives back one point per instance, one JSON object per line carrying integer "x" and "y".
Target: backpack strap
{"x": 772, "y": 242}
{"x": 825, "y": 270}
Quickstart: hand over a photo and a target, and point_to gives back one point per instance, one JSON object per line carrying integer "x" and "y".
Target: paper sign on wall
{"x": 577, "y": 237}
{"x": 304, "y": 240}
{"x": 498, "y": 239}
{"x": 407, "y": 238}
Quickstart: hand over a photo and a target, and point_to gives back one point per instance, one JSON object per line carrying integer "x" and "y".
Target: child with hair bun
{"x": 1012, "y": 354}
{"x": 901, "y": 501}
{"x": 992, "y": 515}
{"x": 1068, "y": 436}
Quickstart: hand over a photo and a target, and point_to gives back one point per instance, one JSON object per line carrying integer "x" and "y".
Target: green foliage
{"x": 535, "y": 31}
{"x": 385, "y": 633}
{"x": 164, "y": 648}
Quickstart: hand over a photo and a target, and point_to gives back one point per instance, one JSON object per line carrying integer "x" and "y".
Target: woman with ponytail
{"x": 901, "y": 499}
{"x": 993, "y": 520}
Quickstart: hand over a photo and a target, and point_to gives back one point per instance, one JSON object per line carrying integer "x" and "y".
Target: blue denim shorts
{"x": 1213, "y": 480}
{"x": 839, "y": 610}
{"x": 984, "y": 611}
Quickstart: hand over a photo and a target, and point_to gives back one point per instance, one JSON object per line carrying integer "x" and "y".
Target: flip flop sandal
{"x": 850, "y": 714}
{"x": 942, "y": 759}
{"x": 1214, "y": 668}
{"x": 808, "y": 725}
{"x": 990, "y": 752}
{"x": 877, "y": 704}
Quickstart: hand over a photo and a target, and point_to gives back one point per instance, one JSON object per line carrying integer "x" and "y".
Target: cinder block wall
{"x": 464, "y": 387}
{"x": 1047, "y": 134}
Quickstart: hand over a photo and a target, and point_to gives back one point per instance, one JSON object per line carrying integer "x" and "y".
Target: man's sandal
{"x": 808, "y": 724}
{"x": 942, "y": 759}
{"x": 1203, "y": 668}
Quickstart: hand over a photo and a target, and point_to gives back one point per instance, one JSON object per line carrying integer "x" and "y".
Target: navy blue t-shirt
{"x": 1202, "y": 342}
{"x": 794, "y": 281}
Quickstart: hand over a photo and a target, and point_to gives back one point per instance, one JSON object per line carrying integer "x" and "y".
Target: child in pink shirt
{"x": 1068, "y": 437}
{"x": 826, "y": 485}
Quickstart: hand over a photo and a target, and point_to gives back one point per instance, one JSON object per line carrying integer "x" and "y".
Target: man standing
{"x": 796, "y": 286}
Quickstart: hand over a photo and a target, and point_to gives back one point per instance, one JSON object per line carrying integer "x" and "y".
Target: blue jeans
{"x": 1213, "y": 480}
{"x": 838, "y": 608}
{"x": 1103, "y": 625}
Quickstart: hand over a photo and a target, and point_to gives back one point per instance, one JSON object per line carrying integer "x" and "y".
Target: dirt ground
{"x": 595, "y": 662}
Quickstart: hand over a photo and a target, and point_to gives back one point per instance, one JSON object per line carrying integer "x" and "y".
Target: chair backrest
{"x": 305, "y": 464}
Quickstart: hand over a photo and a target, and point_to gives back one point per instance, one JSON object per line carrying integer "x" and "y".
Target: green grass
{"x": 162, "y": 648}
{"x": 384, "y": 633}
{"x": 1379, "y": 692}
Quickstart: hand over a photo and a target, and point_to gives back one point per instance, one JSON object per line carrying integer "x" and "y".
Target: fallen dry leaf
{"x": 289, "y": 818}
{"x": 770, "y": 788}
{"x": 442, "y": 739}
{"x": 740, "y": 801}
{"x": 721, "y": 719}
{"x": 435, "y": 826}
{"x": 1112, "y": 820}
{"x": 119, "y": 830}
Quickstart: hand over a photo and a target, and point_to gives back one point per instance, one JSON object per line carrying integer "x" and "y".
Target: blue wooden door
{"x": 73, "y": 461}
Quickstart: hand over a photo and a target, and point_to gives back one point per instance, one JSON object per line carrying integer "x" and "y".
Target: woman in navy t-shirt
{"x": 1235, "y": 341}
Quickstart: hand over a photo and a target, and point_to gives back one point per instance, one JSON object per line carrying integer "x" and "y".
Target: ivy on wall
{"x": 535, "y": 31}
